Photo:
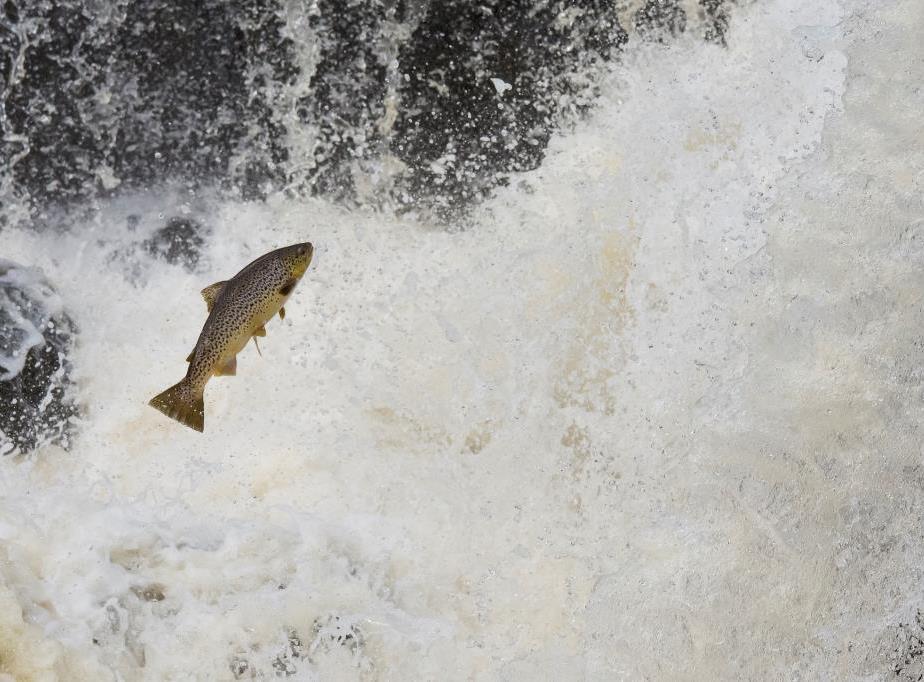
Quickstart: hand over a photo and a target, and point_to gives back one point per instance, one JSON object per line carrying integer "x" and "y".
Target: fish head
{"x": 297, "y": 258}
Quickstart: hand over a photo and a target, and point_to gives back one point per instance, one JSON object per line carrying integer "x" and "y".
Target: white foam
{"x": 491, "y": 453}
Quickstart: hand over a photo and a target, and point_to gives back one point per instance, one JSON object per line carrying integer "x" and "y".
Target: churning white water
{"x": 654, "y": 415}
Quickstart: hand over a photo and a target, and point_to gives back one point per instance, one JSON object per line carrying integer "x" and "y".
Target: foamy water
{"x": 644, "y": 419}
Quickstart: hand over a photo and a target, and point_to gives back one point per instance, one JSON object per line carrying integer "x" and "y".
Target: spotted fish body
{"x": 238, "y": 310}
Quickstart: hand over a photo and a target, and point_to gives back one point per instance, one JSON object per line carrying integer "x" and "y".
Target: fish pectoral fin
{"x": 282, "y": 312}
{"x": 210, "y": 293}
{"x": 259, "y": 331}
{"x": 254, "y": 337}
{"x": 229, "y": 369}
{"x": 286, "y": 288}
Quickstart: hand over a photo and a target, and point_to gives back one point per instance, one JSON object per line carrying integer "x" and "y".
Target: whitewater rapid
{"x": 652, "y": 415}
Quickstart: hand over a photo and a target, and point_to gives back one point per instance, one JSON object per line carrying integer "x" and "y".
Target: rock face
{"x": 485, "y": 86}
{"x": 115, "y": 95}
{"x": 425, "y": 105}
{"x": 179, "y": 242}
{"x": 35, "y": 338}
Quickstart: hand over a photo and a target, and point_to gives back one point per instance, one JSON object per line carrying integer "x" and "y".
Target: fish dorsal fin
{"x": 190, "y": 356}
{"x": 210, "y": 293}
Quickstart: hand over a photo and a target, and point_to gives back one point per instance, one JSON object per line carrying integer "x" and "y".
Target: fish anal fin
{"x": 282, "y": 313}
{"x": 210, "y": 293}
{"x": 229, "y": 369}
{"x": 259, "y": 331}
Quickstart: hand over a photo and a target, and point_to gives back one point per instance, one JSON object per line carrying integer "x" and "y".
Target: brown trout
{"x": 238, "y": 310}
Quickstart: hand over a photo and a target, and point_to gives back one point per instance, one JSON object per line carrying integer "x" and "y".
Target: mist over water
{"x": 643, "y": 403}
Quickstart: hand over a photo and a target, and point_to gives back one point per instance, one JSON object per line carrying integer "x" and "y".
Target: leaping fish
{"x": 238, "y": 310}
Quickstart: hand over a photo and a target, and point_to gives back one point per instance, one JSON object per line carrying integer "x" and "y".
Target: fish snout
{"x": 303, "y": 254}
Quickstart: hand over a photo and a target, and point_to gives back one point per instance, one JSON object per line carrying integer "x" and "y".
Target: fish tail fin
{"x": 183, "y": 403}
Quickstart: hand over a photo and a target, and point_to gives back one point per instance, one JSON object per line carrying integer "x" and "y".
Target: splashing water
{"x": 654, "y": 415}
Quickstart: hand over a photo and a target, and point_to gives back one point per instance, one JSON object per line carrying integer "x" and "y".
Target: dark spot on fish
{"x": 287, "y": 287}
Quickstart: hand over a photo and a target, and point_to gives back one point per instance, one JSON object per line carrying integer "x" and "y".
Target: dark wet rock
{"x": 414, "y": 105}
{"x": 454, "y": 95}
{"x": 906, "y": 657}
{"x": 333, "y": 630}
{"x": 331, "y": 633}
{"x": 36, "y": 337}
{"x": 240, "y": 668}
{"x": 284, "y": 666}
{"x": 484, "y": 85}
{"x": 120, "y": 95}
{"x": 286, "y": 662}
{"x": 715, "y": 20}
{"x": 661, "y": 19}
{"x": 179, "y": 242}
{"x": 347, "y": 93}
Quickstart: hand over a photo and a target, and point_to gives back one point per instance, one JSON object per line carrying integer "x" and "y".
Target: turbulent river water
{"x": 651, "y": 410}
